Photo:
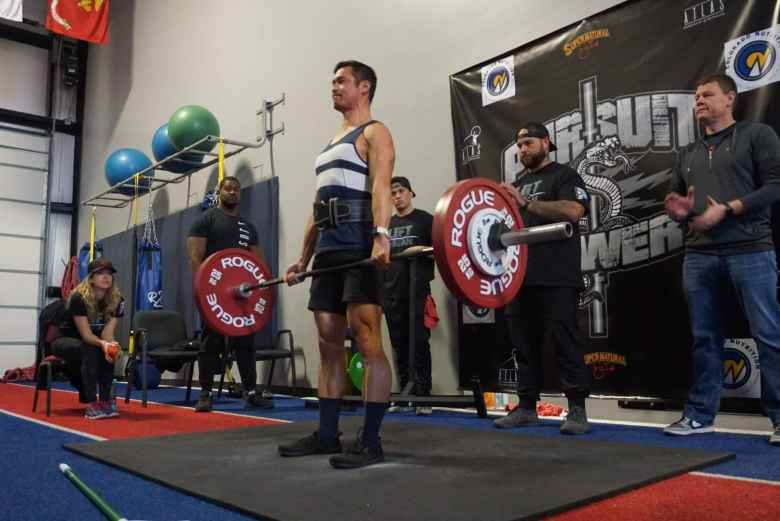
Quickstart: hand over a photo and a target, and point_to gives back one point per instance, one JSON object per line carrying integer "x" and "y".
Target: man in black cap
{"x": 548, "y": 192}
{"x": 409, "y": 226}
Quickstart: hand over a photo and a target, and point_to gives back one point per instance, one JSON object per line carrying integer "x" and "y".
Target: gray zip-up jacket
{"x": 745, "y": 165}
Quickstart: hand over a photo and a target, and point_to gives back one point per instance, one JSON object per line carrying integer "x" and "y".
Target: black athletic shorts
{"x": 333, "y": 291}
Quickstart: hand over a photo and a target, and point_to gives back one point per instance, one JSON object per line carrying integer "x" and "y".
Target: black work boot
{"x": 310, "y": 445}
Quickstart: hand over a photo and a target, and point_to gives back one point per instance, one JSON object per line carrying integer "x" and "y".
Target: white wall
{"x": 228, "y": 56}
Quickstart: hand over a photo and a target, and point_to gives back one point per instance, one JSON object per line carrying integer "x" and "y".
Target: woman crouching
{"x": 90, "y": 324}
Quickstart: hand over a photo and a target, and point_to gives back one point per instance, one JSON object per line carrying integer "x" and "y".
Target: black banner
{"x": 616, "y": 94}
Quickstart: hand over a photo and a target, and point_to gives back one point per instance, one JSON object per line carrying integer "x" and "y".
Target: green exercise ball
{"x": 355, "y": 371}
{"x": 190, "y": 124}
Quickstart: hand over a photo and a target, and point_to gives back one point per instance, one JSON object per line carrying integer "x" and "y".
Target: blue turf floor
{"x": 33, "y": 488}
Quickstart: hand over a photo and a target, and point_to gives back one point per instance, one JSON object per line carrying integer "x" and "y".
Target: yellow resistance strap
{"x": 92, "y": 235}
{"x": 220, "y": 161}
{"x": 135, "y": 199}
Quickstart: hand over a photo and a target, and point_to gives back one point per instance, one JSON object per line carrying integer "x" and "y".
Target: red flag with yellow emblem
{"x": 80, "y": 19}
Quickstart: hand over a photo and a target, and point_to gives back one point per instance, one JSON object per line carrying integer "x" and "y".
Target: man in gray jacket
{"x": 730, "y": 179}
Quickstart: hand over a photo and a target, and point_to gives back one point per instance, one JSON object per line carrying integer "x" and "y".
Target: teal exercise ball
{"x": 123, "y": 164}
{"x": 162, "y": 148}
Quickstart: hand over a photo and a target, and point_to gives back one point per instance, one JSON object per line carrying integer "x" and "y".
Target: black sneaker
{"x": 576, "y": 421}
{"x": 518, "y": 417}
{"x": 204, "y": 403}
{"x": 310, "y": 445}
{"x": 254, "y": 401}
{"x": 358, "y": 455}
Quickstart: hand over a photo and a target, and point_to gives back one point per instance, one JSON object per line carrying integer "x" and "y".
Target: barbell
{"x": 479, "y": 244}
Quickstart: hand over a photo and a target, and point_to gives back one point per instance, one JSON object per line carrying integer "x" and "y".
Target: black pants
{"x": 397, "y": 316}
{"x": 95, "y": 371}
{"x": 212, "y": 347}
{"x": 539, "y": 311}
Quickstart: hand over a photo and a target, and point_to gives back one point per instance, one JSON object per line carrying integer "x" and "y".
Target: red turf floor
{"x": 689, "y": 497}
{"x": 134, "y": 421}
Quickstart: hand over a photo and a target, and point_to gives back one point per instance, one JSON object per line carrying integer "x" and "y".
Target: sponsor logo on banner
{"x": 155, "y": 298}
{"x": 498, "y": 81}
{"x": 741, "y": 368}
{"x": 751, "y": 59}
{"x": 477, "y": 315}
{"x": 603, "y": 364}
{"x": 507, "y": 371}
{"x": 585, "y": 43}
{"x": 471, "y": 148}
{"x": 702, "y": 12}
{"x": 623, "y": 149}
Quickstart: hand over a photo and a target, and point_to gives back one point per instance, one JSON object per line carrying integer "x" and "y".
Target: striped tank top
{"x": 342, "y": 173}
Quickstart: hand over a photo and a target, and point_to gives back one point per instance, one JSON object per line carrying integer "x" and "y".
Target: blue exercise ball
{"x": 125, "y": 163}
{"x": 162, "y": 148}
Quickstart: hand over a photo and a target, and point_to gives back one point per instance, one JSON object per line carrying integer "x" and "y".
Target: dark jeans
{"x": 540, "y": 311}
{"x": 397, "y": 316}
{"x": 754, "y": 278}
{"x": 95, "y": 371}
{"x": 212, "y": 347}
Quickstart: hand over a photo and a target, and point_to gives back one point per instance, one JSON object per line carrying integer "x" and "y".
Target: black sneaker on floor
{"x": 252, "y": 400}
{"x": 576, "y": 421}
{"x": 358, "y": 455}
{"x": 310, "y": 445}
{"x": 204, "y": 403}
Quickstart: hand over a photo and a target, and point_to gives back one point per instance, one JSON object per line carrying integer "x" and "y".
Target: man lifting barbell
{"x": 351, "y": 213}
{"x": 480, "y": 248}
{"x": 218, "y": 229}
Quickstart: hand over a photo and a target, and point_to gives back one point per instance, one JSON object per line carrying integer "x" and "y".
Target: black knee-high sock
{"x": 372, "y": 422}
{"x": 329, "y": 418}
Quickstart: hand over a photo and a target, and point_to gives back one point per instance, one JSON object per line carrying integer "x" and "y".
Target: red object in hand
{"x": 113, "y": 351}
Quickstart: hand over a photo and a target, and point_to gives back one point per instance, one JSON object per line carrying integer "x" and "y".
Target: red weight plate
{"x": 451, "y": 220}
{"x": 221, "y": 307}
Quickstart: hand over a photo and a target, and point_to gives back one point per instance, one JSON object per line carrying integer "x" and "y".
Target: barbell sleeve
{"x": 501, "y": 237}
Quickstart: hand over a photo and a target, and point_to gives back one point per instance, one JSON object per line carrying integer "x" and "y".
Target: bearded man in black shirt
{"x": 220, "y": 228}
{"x": 548, "y": 192}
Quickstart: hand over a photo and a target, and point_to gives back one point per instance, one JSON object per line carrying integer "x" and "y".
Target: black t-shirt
{"x": 413, "y": 229}
{"x": 76, "y": 307}
{"x": 555, "y": 263}
{"x": 223, "y": 231}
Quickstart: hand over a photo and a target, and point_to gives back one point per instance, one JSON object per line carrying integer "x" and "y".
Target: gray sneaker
{"x": 576, "y": 421}
{"x": 686, "y": 426}
{"x": 517, "y": 418}
{"x": 774, "y": 439}
{"x": 397, "y": 407}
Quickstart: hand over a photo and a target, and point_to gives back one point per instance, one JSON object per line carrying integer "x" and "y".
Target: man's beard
{"x": 532, "y": 162}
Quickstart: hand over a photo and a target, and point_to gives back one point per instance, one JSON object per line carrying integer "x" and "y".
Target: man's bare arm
{"x": 381, "y": 161}
{"x": 196, "y": 251}
{"x": 571, "y": 211}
